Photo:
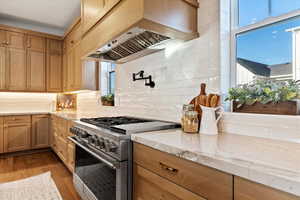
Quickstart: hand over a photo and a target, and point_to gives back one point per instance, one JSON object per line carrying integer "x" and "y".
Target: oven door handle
{"x": 110, "y": 164}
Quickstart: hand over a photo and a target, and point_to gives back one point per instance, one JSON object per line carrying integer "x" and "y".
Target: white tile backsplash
{"x": 27, "y": 102}
{"x": 281, "y": 127}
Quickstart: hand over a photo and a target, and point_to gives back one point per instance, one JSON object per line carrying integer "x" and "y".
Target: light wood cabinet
{"x": 2, "y": 38}
{"x": 60, "y": 143}
{"x": 15, "y": 40}
{"x": 71, "y": 156}
{"x": 16, "y": 69}
{"x": 40, "y": 131}
{"x": 35, "y": 43}
{"x": 201, "y": 180}
{"x": 17, "y": 133}
{"x": 62, "y": 146}
{"x": 77, "y": 74}
{"x": 93, "y": 11}
{"x": 150, "y": 186}
{"x": 1, "y": 135}
{"x": 247, "y": 190}
{"x": 24, "y": 60}
{"x": 54, "y": 46}
{"x": 54, "y": 66}
{"x": 36, "y": 71}
{"x": 3, "y": 69}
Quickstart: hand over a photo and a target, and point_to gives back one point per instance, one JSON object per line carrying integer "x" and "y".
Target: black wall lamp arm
{"x": 140, "y": 76}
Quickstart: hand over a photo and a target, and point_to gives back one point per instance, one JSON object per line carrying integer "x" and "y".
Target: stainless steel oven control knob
{"x": 111, "y": 147}
{"x": 101, "y": 143}
{"x": 83, "y": 134}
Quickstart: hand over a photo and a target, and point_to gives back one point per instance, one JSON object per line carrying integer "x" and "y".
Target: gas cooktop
{"x": 125, "y": 125}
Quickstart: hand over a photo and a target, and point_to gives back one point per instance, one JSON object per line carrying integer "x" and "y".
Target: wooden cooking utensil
{"x": 200, "y": 100}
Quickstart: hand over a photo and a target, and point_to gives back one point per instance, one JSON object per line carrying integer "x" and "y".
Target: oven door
{"x": 103, "y": 177}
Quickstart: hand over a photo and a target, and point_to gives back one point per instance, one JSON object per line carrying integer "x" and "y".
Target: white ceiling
{"x": 51, "y": 16}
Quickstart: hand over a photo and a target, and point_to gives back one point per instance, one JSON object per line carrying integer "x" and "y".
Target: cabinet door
{"x": 77, "y": 68}
{"x": 62, "y": 148}
{"x": 3, "y": 70}
{"x": 1, "y": 135}
{"x": 149, "y": 186}
{"x": 54, "y": 73}
{"x": 35, "y": 43}
{"x": 71, "y": 156}
{"x": 54, "y": 46}
{"x": 15, "y": 40}
{"x": 16, "y": 66}
{"x": 70, "y": 69}
{"x": 36, "y": 71}
{"x": 65, "y": 71}
{"x": 2, "y": 38}
{"x": 247, "y": 190}
{"x": 40, "y": 131}
{"x": 94, "y": 10}
{"x": 17, "y": 137}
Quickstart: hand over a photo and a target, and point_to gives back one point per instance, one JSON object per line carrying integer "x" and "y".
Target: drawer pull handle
{"x": 168, "y": 168}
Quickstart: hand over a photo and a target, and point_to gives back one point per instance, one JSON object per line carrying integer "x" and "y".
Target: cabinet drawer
{"x": 247, "y": 190}
{"x": 62, "y": 147}
{"x": 204, "y": 181}
{"x": 17, "y": 119}
{"x": 149, "y": 186}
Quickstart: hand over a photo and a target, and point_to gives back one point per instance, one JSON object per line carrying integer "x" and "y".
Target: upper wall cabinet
{"x": 24, "y": 59}
{"x": 93, "y": 11}
{"x": 36, "y": 63}
{"x": 144, "y": 22}
{"x": 75, "y": 70}
{"x": 54, "y": 65}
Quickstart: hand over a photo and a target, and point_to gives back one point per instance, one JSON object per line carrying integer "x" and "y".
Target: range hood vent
{"x": 130, "y": 44}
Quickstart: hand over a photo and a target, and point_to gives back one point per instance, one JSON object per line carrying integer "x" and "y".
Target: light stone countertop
{"x": 23, "y": 113}
{"x": 270, "y": 162}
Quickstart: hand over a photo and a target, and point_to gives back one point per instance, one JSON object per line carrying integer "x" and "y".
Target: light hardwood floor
{"x": 22, "y": 166}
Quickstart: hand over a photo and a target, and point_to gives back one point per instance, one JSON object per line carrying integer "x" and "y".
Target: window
{"x": 266, "y": 36}
{"x": 108, "y": 78}
{"x": 253, "y": 11}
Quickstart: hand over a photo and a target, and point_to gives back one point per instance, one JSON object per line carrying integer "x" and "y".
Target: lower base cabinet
{"x": 40, "y": 131}
{"x": 17, "y": 133}
{"x": 61, "y": 145}
{"x": 247, "y": 190}
{"x": 150, "y": 186}
{"x": 202, "y": 181}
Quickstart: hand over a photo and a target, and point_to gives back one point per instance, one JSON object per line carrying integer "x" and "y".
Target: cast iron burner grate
{"x": 109, "y": 122}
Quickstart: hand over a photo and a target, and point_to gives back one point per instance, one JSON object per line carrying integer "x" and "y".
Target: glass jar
{"x": 185, "y": 109}
{"x": 191, "y": 122}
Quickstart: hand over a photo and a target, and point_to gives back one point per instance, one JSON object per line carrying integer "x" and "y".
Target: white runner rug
{"x": 41, "y": 187}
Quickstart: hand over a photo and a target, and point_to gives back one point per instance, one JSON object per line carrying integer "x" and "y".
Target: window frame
{"x": 236, "y": 30}
{"x": 109, "y": 81}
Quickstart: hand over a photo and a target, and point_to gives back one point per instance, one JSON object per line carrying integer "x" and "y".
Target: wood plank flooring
{"x": 22, "y": 166}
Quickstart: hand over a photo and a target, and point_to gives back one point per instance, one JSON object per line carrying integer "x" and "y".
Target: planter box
{"x": 282, "y": 108}
{"x": 107, "y": 103}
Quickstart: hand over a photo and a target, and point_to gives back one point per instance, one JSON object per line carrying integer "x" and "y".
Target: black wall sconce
{"x": 140, "y": 76}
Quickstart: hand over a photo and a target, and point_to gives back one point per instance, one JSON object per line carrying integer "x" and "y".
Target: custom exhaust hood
{"x": 131, "y": 45}
{"x": 128, "y": 37}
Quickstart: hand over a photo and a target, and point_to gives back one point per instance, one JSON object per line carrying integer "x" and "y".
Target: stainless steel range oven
{"x": 98, "y": 176}
{"x": 103, "y": 159}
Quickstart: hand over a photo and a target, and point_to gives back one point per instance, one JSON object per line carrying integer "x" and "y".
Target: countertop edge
{"x": 247, "y": 170}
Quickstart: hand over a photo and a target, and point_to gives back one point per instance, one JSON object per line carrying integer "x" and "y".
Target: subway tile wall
{"x": 280, "y": 127}
{"x": 27, "y": 102}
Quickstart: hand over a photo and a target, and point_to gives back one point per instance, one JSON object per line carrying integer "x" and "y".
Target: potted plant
{"x": 108, "y": 100}
{"x": 266, "y": 96}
